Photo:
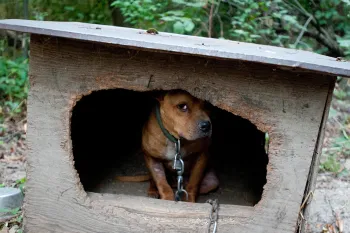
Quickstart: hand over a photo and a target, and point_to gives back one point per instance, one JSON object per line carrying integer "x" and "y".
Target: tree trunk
{"x": 117, "y": 17}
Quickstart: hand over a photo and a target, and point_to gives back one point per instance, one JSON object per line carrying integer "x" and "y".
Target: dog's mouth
{"x": 199, "y": 136}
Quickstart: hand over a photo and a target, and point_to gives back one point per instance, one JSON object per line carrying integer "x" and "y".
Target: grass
{"x": 330, "y": 165}
{"x": 336, "y": 150}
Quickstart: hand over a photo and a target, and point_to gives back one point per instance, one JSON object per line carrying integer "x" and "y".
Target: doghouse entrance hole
{"x": 106, "y": 129}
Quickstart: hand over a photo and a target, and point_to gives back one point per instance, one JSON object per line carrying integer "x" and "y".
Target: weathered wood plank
{"x": 314, "y": 168}
{"x": 294, "y": 59}
{"x": 288, "y": 105}
{"x": 159, "y": 208}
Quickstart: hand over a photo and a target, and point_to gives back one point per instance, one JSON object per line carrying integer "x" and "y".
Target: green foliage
{"x": 10, "y": 211}
{"x": 15, "y": 224}
{"x": 340, "y": 94}
{"x": 13, "y": 85}
{"x": 274, "y": 22}
{"x": 260, "y": 22}
{"x": 330, "y": 165}
{"x": 267, "y": 142}
{"x": 89, "y": 11}
{"x": 21, "y": 184}
{"x": 171, "y": 16}
{"x": 140, "y": 13}
{"x": 338, "y": 150}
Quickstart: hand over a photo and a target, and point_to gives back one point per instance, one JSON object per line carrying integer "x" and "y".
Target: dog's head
{"x": 184, "y": 115}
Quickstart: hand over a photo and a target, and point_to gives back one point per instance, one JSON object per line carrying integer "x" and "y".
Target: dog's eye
{"x": 183, "y": 107}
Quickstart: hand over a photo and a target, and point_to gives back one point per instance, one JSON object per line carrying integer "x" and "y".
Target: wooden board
{"x": 207, "y": 47}
{"x": 314, "y": 168}
{"x": 288, "y": 105}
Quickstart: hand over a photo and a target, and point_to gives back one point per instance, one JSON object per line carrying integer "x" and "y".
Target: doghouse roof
{"x": 191, "y": 45}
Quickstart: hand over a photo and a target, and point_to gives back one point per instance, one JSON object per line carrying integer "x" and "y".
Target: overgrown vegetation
{"x": 13, "y": 85}
{"x": 337, "y": 150}
{"x": 286, "y": 23}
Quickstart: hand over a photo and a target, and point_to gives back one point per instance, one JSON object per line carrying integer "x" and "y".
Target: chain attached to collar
{"x": 179, "y": 166}
{"x": 213, "y": 217}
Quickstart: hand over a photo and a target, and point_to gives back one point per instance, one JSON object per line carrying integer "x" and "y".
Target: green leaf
{"x": 69, "y": 8}
{"x": 255, "y": 36}
{"x": 290, "y": 19}
{"x": 240, "y": 32}
{"x": 196, "y": 4}
{"x": 11, "y": 63}
{"x": 11, "y": 211}
{"x": 21, "y": 181}
{"x": 344, "y": 42}
{"x": 169, "y": 18}
{"x": 189, "y": 26}
{"x": 175, "y": 13}
{"x": 179, "y": 27}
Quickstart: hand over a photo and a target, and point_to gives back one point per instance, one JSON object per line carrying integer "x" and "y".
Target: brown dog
{"x": 184, "y": 117}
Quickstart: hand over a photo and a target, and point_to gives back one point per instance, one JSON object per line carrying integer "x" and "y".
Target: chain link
{"x": 179, "y": 166}
{"x": 213, "y": 217}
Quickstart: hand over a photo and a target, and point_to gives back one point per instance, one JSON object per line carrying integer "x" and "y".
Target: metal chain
{"x": 179, "y": 166}
{"x": 213, "y": 217}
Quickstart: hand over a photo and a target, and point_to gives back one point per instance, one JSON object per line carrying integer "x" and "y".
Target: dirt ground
{"x": 13, "y": 151}
{"x": 330, "y": 207}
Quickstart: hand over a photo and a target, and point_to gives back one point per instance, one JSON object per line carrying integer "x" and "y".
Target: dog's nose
{"x": 205, "y": 126}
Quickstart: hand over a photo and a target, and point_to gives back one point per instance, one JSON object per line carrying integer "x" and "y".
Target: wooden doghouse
{"x": 90, "y": 94}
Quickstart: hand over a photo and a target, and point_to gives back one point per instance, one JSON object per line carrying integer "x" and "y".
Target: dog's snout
{"x": 205, "y": 126}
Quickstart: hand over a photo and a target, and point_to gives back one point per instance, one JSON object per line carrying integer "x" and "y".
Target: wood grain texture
{"x": 314, "y": 168}
{"x": 207, "y": 47}
{"x": 288, "y": 105}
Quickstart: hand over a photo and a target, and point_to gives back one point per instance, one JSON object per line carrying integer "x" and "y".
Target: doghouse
{"x": 90, "y": 93}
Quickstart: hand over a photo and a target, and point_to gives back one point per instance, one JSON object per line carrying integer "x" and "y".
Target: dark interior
{"x": 106, "y": 135}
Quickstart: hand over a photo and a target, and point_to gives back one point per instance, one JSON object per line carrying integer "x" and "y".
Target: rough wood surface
{"x": 288, "y": 105}
{"x": 226, "y": 49}
{"x": 314, "y": 168}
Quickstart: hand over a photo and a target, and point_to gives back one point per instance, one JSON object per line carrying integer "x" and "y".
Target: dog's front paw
{"x": 153, "y": 194}
{"x": 167, "y": 196}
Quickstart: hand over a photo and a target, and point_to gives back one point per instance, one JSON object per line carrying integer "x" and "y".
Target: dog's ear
{"x": 209, "y": 109}
{"x": 158, "y": 95}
